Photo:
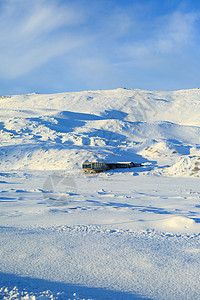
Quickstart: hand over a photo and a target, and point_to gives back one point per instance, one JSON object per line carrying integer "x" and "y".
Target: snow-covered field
{"x": 122, "y": 234}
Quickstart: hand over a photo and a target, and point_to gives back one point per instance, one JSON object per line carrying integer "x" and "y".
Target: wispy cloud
{"x": 32, "y": 32}
{"x": 171, "y": 35}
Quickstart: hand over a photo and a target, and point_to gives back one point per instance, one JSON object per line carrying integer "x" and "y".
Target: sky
{"x": 51, "y": 46}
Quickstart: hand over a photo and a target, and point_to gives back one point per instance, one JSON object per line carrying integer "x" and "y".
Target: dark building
{"x": 97, "y": 167}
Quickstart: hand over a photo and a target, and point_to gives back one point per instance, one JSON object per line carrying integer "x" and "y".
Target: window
{"x": 86, "y": 166}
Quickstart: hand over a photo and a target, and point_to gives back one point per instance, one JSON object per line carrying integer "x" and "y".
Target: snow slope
{"x": 60, "y": 131}
{"x": 122, "y": 234}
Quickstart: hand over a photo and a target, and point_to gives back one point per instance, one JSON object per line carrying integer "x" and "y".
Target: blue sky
{"x": 52, "y": 46}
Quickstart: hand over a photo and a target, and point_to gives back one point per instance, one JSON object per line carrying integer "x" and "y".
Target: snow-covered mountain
{"x": 60, "y": 131}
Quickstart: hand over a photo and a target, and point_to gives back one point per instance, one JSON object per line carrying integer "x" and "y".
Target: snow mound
{"x": 177, "y": 224}
{"x": 186, "y": 166}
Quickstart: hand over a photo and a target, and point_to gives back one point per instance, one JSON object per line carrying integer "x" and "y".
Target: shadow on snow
{"x": 37, "y": 286}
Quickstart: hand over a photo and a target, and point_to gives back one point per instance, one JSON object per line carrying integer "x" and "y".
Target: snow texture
{"x": 122, "y": 234}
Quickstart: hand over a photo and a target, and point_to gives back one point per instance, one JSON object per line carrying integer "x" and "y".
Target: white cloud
{"x": 171, "y": 35}
{"x": 178, "y": 32}
{"x": 30, "y": 34}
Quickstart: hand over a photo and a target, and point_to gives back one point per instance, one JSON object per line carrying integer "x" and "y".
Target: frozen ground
{"x": 122, "y": 234}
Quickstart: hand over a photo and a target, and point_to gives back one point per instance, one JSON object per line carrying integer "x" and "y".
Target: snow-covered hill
{"x": 60, "y": 131}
